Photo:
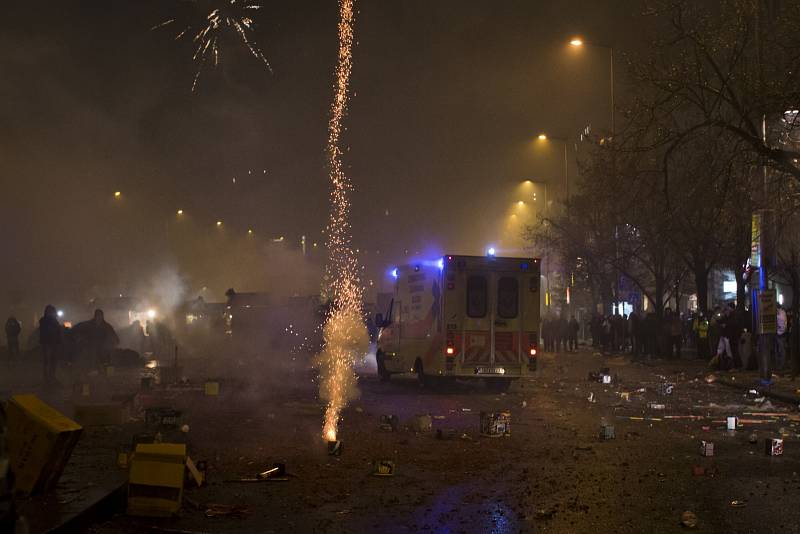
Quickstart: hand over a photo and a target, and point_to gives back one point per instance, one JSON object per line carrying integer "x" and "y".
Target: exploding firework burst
{"x": 345, "y": 333}
{"x": 224, "y": 16}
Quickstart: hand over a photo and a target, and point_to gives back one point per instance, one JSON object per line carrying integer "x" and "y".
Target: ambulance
{"x": 462, "y": 317}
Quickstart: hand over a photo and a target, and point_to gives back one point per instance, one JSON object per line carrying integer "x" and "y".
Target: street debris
{"x": 732, "y": 422}
{"x": 335, "y": 448}
{"x": 688, "y": 519}
{"x": 738, "y": 504}
{"x": 495, "y": 424}
{"x": 389, "y": 423}
{"x": 422, "y": 423}
{"x": 607, "y": 431}
{"x": 707, "y": 448}
{"x": 226, "y": 510}
{"x": 383, "y": 468}
{"x": 774, "y": 447}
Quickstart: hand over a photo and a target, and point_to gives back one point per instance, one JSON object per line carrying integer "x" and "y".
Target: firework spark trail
{"x": 345, "y": 333}
{"x": 231, "y": 15}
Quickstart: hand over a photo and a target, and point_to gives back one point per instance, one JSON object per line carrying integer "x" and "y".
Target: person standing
{"x": 102, "y": 339}
{"x": 780, "y": 339}
{"x": 13, "y": 329}
{"x": 676, "y": 334}
{"x": 50, "y": 341}
{"x": 574, "y": 327}
{"x": 701, "y": 336}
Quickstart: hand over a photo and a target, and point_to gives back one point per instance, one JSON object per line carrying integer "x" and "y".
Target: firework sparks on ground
{"x": 345, "y": 334}
{"x": 224, "y": 16}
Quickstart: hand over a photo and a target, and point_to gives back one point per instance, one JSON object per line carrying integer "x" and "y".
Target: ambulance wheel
{"x": 498, "y": 385}
{"x": 382, "y": 372}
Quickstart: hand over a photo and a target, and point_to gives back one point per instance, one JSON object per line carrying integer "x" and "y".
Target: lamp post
{"x": 577, "y": 42}
{"x": 565, "y": 141}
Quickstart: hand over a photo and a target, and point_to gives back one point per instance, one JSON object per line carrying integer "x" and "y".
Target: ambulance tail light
{"x": 450, "y": 352}
{"x": 533, "y": 352}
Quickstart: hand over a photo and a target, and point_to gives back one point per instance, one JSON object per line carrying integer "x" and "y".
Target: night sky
{"x": 447, "y": 99}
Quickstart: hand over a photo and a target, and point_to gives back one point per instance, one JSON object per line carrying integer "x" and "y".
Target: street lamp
{"x": 565, "y": 141}
{"x": 577, "y": 42}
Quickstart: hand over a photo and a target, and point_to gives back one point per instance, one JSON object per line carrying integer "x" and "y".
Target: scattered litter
{"x": 607, "y": 432}
{"x": 738, "y": 504}
{"x": 466, "y": 409}
{"x": 656, "y": 406}
{"x": 335, "y": 448}
{"x": 438, "y": 417}
{"x": 707, "y": 448}
{"x": 422, "y": 423}
{"x": 625, "y": 395}
{"x": 389, "y": 423}
{"x": 524, "y": 404}
{"x": 545, "y": 514}
{"x": 359, "y": 409}
{"x": 732, "y": 422}
{"x": 688, "y": 519}
{"x": 383, "y": 468}
{"x": 774, "y": 447}
{"x": 710, "y": 379}
{"x": 185, "y": 429}
{"x": 753, "y": 438}
{"x": 666, "y": 388}
{"x": 226, "y": 510}
{"x": 495, "y": 424}
{"x": 198, "y": 476}
{"x": 591, "y": 398}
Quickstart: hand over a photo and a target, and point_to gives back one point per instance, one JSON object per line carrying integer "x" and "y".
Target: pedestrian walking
{"x": 50, "y": 341}
{"x": 13, "y": 329}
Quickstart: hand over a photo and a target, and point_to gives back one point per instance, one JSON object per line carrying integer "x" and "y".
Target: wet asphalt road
{"x": 553, "y": 474}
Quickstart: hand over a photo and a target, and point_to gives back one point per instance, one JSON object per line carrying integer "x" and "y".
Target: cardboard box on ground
{"x": 40, "y": 441}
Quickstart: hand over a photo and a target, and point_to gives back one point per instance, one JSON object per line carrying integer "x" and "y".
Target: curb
{"x": 766, "y": 391}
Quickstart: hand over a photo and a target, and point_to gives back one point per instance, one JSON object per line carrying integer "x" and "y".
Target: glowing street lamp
{"x": 117, "y": 194}
{"x": 219, "y": 223}
{"x": 542, "y": 137}
{"x": 576, "y": 41}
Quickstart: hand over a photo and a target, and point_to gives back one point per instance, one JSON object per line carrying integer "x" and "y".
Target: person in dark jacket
{"x": 98, "y": 338}
{"x": 13, "y": 329}
{"x": 50, "y": 341}
{"x": 574, "y": 327}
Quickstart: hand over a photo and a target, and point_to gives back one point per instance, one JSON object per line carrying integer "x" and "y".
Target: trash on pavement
{"x": 774, "y": 447}
{"x": 226, "y": 510}
{"x": 155, "y": 483}
{"x": 422, "y": 423}
{"x": 389, "y": 423}
{"x": 40, "y": 441}
{"x": 211, "y": 388}
{"x": 666, "y": 388}
{"x": 383, "y": 468}
{"x": 656, "y": 406}
{"x": 495, "y": 424}
{"x": 335, "y": 448}
{"x": 707, "y": 448}
{"x": 607, "y": 431}
{"x": 161, "y": 417}
{"x": 732, "y": 422}
{"x": 590, "y": 398}
{"x": 198, "y": 476}
{"x": 738, "y": 504}
{"x": 688, "y": 519}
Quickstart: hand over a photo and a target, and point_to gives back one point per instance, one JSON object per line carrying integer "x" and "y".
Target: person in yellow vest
{"x": 701, "y": 335}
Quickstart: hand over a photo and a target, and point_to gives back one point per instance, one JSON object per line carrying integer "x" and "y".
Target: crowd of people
{"x": 723, "y": 337}
{"x": 88, "y": 344}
